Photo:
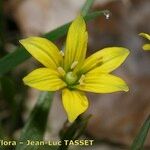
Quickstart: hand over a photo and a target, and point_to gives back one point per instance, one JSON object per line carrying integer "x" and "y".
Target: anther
{"x": 62, "y": 53}
{"x": 61, "y": 71}
{"x": 82, "y": 79}
{"x": 74, "y": 64}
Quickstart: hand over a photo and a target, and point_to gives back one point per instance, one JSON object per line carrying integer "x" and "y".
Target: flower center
{"x": 71, "y": 78}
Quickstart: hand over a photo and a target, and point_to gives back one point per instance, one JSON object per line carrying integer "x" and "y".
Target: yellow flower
{"x": 147, "y": 36}
{"x": 71, "y": 72}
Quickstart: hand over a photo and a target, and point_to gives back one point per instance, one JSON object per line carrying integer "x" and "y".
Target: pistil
{"x": 81, "y": 80}
{"x": 71, "y": 78}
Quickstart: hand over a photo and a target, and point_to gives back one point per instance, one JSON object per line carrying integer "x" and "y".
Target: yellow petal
{"x": 76, "y": 43}
{"x": 146, "y": 47}
{"x": 74, "y": 102}
{"x": 145, "y": 35}
{"x": 102, "y": 83}
{"x": 44, "y": 79}
{"x": 105, "y": 60}
{"x": 43, "y": 50}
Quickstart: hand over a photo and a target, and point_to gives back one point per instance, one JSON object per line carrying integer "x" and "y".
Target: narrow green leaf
{"x": 88, "y": 4}
{"x": 36, "y": 124}
{"x": 17, "y": 57}
{"x": 138, "y": 142}
{"x": 82, "y": 127}
{"x": 13, "y": 59}
{"x": 74, "y": 131}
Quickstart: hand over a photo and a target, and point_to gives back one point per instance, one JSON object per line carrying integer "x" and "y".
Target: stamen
{"x": 74, "y": 64}
{"x": 61, "y": 71}
{"x": 82, "y": 79}
{"x": 62, "y": 53}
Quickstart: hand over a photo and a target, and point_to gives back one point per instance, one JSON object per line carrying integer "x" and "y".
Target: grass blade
{"x": 17, "y": 57}
{"x": 138, "y": 142}
{"x": 36, "y": 124}
{"x": 88, "y": 4}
